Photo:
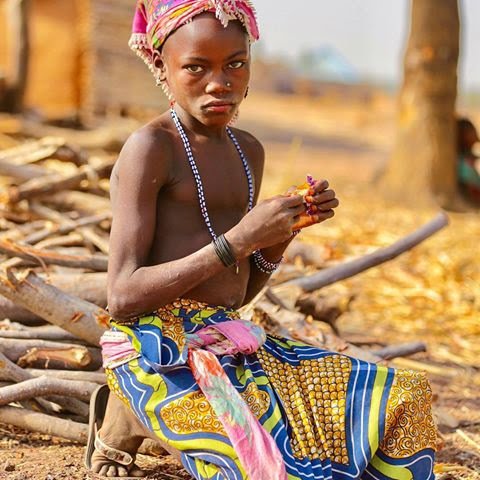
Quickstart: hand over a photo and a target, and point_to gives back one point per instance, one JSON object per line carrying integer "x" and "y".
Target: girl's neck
{"x": 200, "y": 130}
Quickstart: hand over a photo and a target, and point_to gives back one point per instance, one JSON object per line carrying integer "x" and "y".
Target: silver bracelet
{"x": 264, "y": 265}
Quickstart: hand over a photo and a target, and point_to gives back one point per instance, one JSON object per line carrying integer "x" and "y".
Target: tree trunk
{"x": 17, "y": 80}
{"x": 422, "y": 167}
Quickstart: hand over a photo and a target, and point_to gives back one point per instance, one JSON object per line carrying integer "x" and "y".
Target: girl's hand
{"x": 268, "y": 223}
{"x": 322, "y": 202}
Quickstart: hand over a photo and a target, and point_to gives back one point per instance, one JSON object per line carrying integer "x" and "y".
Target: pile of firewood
{"x": 54, "y": 226}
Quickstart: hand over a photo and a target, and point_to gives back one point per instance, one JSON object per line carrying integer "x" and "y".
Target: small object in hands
{"x": 224, "y": 252}
{"x": 306, "y": 218}
{"x": 263, "y": 264}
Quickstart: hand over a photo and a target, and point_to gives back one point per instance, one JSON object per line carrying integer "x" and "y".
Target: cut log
{"x": 91, "y": 287}
{"x": 50, "y": 184}
{"x": 46, "y": 424}
{"x": 29, "y": 353}
{"x": 11, "y": 372}
{"x": 44, "y": 387}
{"x": 309, "y": 254}
{"x": 349, "y": 269}
{"x": 325, "y": 308}
{"x": 80, "y": 201}
{"x": 96, "y": 262}
{"x": 83, "y": 319}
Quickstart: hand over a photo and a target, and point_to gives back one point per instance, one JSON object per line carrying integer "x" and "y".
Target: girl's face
{"x": 207, "y": 68}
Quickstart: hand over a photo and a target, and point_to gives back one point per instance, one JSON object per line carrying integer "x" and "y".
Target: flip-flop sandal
{"x": 98, "y": 406}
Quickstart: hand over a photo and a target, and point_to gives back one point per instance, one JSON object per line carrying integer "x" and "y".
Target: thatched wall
{"x": 119, "y": 79}
{"x": 80, "y": 60}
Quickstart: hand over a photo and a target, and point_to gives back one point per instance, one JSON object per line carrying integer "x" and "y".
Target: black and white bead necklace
{"x": 198, "y": 179}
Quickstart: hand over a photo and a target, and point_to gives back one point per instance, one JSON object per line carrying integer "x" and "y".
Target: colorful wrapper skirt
{"x": 302, "y": 412}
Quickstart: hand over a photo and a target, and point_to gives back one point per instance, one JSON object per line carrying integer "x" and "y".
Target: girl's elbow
{"x": 122, "y": 305}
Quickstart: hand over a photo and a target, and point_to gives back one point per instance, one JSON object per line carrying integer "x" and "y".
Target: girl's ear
{"x": 159, "y": 66}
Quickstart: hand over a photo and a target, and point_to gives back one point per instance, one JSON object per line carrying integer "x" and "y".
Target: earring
{"x": 164, "y": 86}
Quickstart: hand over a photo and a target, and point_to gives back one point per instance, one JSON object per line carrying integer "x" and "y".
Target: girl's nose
{"x": 218, "y": 84}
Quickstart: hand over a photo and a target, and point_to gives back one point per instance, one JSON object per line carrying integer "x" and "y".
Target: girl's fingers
{"x": 329, "y": 205}
{"x": 321, "y": 217}
{"x": 320, "y": 186}
{"x": 322, "y": 197}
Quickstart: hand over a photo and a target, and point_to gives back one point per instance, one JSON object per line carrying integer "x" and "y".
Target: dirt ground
{"x": 431, "y": 293}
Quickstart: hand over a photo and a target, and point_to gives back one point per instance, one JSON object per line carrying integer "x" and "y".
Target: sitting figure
{"x": 468, "y": 165}
{"x": 189, "y": 245}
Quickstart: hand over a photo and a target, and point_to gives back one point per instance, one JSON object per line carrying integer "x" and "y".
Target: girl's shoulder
{"x": 250, "y": 144}
{"x": 148, "y": 151}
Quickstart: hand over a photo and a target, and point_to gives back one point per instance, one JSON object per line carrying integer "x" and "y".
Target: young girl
{"x": 189, "y": 245}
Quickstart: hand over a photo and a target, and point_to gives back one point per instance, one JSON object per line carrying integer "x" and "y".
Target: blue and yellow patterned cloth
{"x": 331, "y": 416}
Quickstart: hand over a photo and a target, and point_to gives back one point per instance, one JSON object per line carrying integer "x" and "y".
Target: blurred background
{"x": 365, "y": 93}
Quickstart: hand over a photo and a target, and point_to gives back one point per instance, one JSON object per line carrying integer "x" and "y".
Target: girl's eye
{"x": 194, "y": 68}
{"x": 236, "y": 65}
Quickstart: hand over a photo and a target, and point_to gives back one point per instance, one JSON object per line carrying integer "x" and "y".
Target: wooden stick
{"x": 32, "y": 151}
{"x": 50, "y": 184}
{"x": 64, "y": 228}
{"x": 26, "y": 352}
{"x": 45, "y": 386}
{"x": 95, "y": 262}
{"x": 402, "y": 350}
{"x": 349, "y": 269}
{"x": 17, "y": 217}
{"x": 45, "y": 332}
{"x": 23, "y": 172}
{"x": 48, "y": 425}
{"x": 85, "y": 230}
{"x": 45, "y": 424}
{"x": 95, "y": 377}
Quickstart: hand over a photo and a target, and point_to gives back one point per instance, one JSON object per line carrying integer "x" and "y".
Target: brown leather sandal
{"x": 98, "y": 406}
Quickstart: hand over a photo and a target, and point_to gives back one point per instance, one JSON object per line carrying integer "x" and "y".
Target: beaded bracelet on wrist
{"x": 264, "y": 265}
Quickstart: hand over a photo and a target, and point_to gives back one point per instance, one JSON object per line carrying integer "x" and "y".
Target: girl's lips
{"x": 218, "y": 108}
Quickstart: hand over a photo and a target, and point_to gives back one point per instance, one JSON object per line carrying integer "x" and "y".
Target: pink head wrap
{"x": 155, "y": 20}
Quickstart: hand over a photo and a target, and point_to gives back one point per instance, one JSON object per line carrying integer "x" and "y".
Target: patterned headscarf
{"x": 155, "y": 20}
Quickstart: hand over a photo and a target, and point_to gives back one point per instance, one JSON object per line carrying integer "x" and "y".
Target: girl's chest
{"x": 218, "y": 182}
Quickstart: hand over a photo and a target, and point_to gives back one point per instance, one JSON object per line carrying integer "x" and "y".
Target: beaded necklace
{"x": 196, "y": 173}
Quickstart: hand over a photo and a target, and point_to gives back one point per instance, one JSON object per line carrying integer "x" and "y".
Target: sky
{"x": 370, "y": 34}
